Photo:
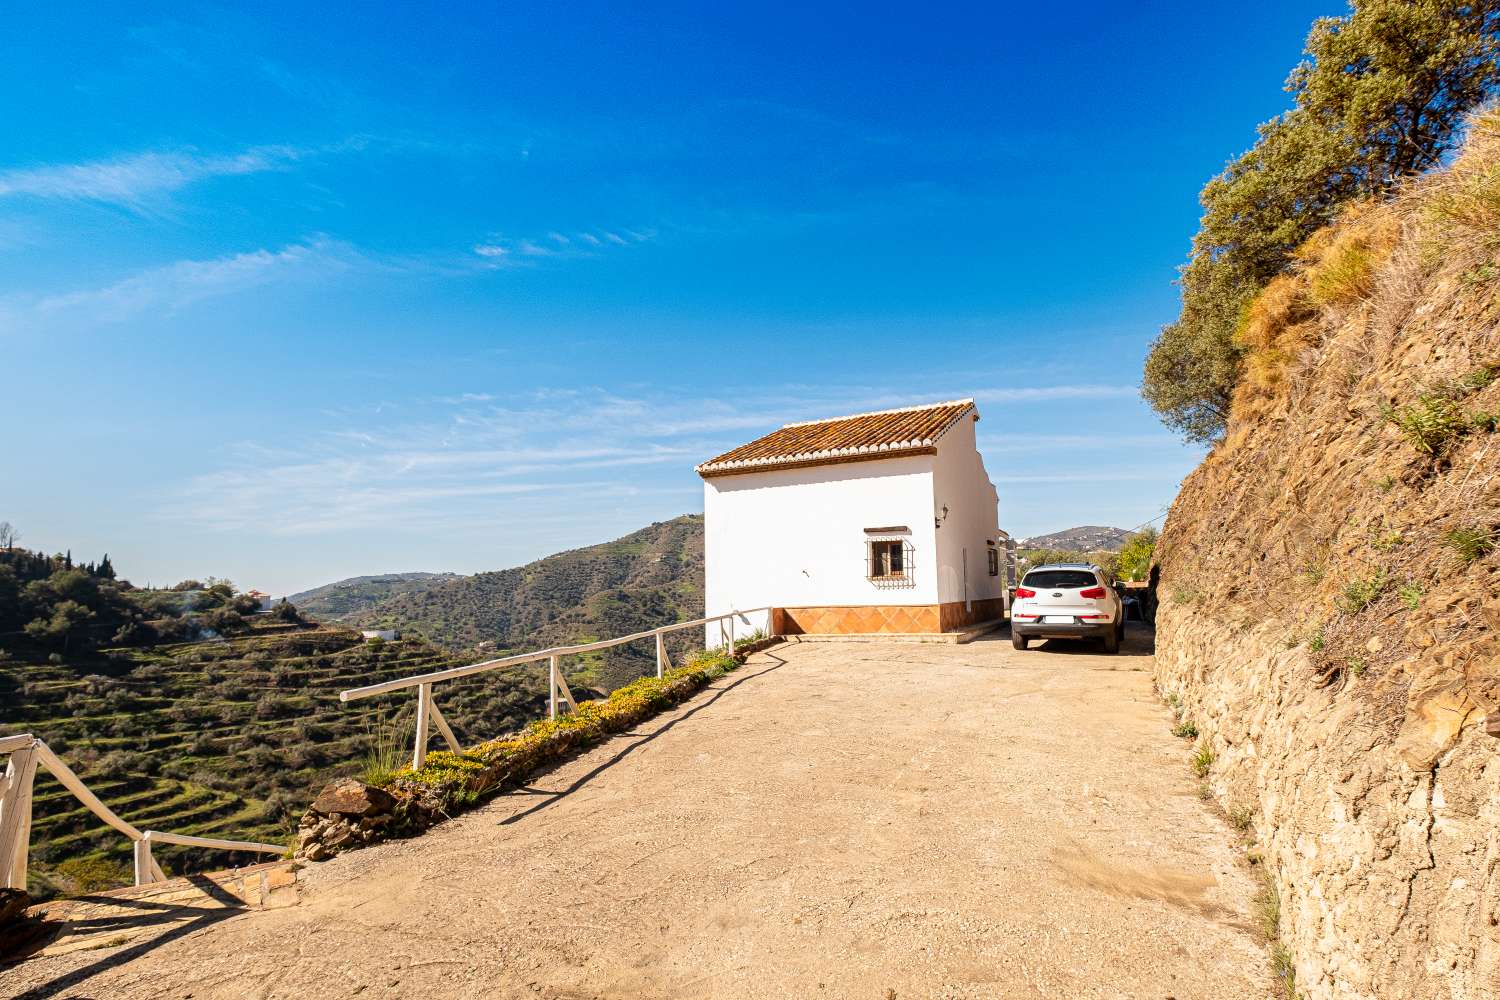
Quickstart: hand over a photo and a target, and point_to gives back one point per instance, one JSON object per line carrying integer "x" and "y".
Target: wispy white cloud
{"x": 171, "y": 287}
{"x": 465, "y": 459}
{"x": 497, "y": 248}
{"x": 131, "y": 180}
{"x": 1023, "y": 394}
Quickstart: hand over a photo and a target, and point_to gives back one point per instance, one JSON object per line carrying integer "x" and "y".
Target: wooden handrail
{"x": 10, "y": 743}
{"x": 557, "y": 685}
{"x": 182, "y": 839}
{"x": 26, "y": 753}
{"x": 453, "y": 673}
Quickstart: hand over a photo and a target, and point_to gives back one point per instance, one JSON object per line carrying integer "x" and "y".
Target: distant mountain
{"x": 335, "y": 601}
{"x": 1085, "y": 538}
{"x": 648, "y": 578}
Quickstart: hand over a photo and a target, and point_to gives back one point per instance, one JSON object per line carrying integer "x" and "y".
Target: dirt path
{"x": 832, "y": 820}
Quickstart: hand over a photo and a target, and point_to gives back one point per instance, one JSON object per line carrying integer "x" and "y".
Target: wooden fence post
{"x": 661, "y": 655}
{"x": 145, "y": 867}
{"x": 15, "y": 817}
{"x": 424, "y": 707}
{"x": 444, "y": 730}
{"x": 552, "y": 687}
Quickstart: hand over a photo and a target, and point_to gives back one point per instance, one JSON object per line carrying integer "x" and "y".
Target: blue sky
{"x": 290, "y": 294}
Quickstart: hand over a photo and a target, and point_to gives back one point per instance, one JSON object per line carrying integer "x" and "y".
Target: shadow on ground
{"x": 553, "y": 797}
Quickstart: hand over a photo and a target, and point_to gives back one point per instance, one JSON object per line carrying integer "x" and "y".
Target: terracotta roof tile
{"x": 911, "y": 430}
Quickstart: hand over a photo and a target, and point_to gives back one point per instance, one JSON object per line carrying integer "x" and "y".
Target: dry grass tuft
{"x": 1340, "y": 262}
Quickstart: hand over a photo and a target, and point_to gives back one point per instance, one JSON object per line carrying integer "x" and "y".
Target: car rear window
{"x": 1057, "y": 579}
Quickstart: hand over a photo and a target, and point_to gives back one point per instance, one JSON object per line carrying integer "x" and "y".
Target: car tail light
{"x": 1023, "y": 592}
{"x": 1093, "y": 593}
{"x": 1093, "y": 616}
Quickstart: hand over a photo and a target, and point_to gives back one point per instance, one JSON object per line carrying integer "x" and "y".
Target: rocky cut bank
{"x": 1330, "y": 593}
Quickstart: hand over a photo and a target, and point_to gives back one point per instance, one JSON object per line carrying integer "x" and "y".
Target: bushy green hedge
{"x": 449, "y": 781}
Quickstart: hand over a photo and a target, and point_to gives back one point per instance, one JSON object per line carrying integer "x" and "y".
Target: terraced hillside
{"x": 338, "y": 600}
{"x": 645, "y": 579}
{"x": 229, "y": 738}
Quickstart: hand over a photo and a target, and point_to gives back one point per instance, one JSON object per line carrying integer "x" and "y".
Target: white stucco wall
{"x": 961, "y": 482}
{"x": 795, "y": 537}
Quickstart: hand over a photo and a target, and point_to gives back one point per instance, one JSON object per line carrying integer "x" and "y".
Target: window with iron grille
{"x": 888, "y": 562}
{"x": 887, "y": 559}
{"x": 994, "y": 562}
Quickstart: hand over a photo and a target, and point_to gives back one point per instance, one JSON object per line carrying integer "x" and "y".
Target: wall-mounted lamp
{"x": 937, "y": 522}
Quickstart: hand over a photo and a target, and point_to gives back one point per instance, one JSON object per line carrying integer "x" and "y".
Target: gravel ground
{"x": 871, "y": 820}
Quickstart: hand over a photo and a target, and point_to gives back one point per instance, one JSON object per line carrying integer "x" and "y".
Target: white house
{"x": 879, "y": 522}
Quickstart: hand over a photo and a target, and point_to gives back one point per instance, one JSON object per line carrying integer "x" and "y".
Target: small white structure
{"x": 876, "y": 523}
{"x": 383, "y": 634}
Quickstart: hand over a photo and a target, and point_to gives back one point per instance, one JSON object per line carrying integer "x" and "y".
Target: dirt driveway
{"x": 863, "y": 820}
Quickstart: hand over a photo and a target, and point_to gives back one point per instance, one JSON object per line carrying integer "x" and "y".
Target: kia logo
{"x": 1057, "y": 593}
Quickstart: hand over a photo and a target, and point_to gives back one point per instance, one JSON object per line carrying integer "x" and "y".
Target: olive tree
{"x": 1382, "y": 94}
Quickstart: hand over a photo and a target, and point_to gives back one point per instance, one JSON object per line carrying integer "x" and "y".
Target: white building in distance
{"x": 876, "y": 523}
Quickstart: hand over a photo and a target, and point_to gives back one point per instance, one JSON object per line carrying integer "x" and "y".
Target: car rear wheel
{"x": 1018, "y": 640}
{"x": 1112, "y": 641}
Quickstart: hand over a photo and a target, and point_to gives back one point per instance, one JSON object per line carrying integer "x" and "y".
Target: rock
{"x": 315, "y": 852}
{"x": 13, "y": 903}
{"x": 353, "y": 798}
{"x": 341, "y": 836}
{"x": 1375, "y": 645}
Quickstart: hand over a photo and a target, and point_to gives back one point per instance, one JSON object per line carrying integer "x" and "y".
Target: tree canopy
{"x": 1135, "y": 555}
{"x": 1382, "y": 94}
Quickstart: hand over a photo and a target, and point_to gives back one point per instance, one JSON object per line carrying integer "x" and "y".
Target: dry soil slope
{"x": 1333, "y": 638}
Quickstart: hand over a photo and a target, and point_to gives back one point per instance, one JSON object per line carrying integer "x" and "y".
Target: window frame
{"x": 878, "y": 561}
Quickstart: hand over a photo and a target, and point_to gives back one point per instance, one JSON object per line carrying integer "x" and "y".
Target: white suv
{"x": 1067, "y": 601}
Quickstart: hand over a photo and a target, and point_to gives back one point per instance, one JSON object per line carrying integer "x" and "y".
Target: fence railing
{"x": 428, "y": 714}
{"x": 27, "y": 753}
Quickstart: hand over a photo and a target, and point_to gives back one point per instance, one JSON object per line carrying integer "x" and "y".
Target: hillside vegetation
{"x": 228, "y": 738}
{"x": 335, "y": 601}
{"x": 190, "y": 711}
{"x": 1382, "y": 96}
{"x": 1084, "y": 538}
{"x": 648, "y": 578}
{"x": 1329, "y": 619}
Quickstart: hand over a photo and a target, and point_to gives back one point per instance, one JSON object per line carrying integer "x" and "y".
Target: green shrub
{"x": 1203, "y": 759}
{"x": 1480, "y": 378}
{"x": 461, "y": 778}
{"x": 1410, "y": 594}
{"x": 1470, "y": 543}
{"x": 1429, "y": 424}
{"x": 1357, "y": 665}
{"x": 384, "y": 756}
{"x": 1359, "y": 594}
{"x": 751, "y": 639}
{"x": 88, "y": 875}
{"x": 1284, "y": 968}
{"x": 1268, "y": 909}
{"x": 1186, "y": 729}
{"x": 1316, "y": 642}
{"x": 1241, "y": 818}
